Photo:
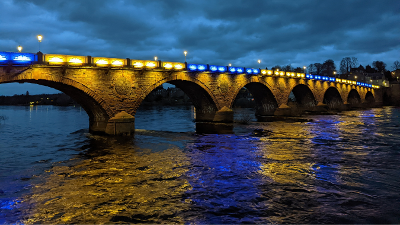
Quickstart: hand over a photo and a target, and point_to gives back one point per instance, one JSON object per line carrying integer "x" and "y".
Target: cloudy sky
{"x": 295, "y": 32}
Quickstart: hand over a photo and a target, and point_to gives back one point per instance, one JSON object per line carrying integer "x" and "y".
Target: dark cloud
{"x": 212, "y": 31}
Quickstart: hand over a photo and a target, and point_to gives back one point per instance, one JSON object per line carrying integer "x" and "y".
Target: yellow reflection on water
{"x": 285, "y": 152}
{"x": 123, "y": 183}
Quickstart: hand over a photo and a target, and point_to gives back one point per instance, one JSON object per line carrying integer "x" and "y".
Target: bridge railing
{"x": 17, "y": 58}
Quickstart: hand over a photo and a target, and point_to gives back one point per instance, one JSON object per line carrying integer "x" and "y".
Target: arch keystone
{"x": 121, "y": 124}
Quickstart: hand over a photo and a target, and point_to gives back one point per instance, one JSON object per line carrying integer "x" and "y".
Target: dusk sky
{"x": 213, "y": 32}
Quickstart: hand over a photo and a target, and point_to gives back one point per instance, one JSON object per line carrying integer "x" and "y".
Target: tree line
{"x": 328, "y": 68}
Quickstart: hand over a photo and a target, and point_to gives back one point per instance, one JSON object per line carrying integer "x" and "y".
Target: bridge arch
{"x": 265, "y": 100}
{"x": 333, "y": 98}
{"x": 353, "y": 97}
{"x": 202, "y": 98}
{"x": 369, "y": 97}
{"x": 304, "y": 97}
{"x": 98, "y": 111}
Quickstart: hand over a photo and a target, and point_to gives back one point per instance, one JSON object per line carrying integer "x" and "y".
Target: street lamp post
{"x": 304, "y": 69}
{"x": 185, "y": 52}
{"x": 19, "y": 48}
{"x": 39, "y": 37}
{"x": 334, "y": 73}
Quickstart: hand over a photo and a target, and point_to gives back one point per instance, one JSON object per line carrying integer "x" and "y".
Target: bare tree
{"x": 328, "y": 67}
{"x": 347, "y": 63}
{"x": 379, "y": 66}
{"x": 311, "y": 68}
{"x": 318, "y": 68}
{"x": 396, "y": 65}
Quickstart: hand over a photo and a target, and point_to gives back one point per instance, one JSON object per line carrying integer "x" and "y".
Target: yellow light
{"x": 56, "y": 60}
{"x": 338, "y": 80}
{"x": 298, "y": 75}
{"x": 302, "y": 75}
{"x": 288, "y": 74}
{"x": 117, "y": 63}
{"x": 277, "y": 73}
{"x": 269, "y": 72}
{"x": 155, "y": 58}
{"x": 75, "y": 60}
{"x": 185, "y": 52}
{"x": 138, "y": 64}
{"x": 151, "y": 64}
{"x": 259, "y": 61}
{"x": 230, "y": 64}
{"x": 178, "y": 66}
{"x": 40, "y": 37}
{"x": 19, "y": 48}
{"x": 168, "y": 66}
{"x": 282, "y": 73}
{"x": 101, "y": 62}
{"x": 292, "y": 74}
{"x": 264, "y": 72}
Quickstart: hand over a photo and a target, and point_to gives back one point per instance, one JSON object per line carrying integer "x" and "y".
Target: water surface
{"x": 336, "y": 169}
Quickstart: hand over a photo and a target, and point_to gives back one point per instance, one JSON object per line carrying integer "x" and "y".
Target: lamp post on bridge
{"x": 185, "y": 52}
{"x": 304, "y": 68}
{"x": 334, "y": 73}
{"x": 39, "y": 37}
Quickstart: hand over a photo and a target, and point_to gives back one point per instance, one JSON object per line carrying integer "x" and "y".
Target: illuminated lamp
{"x": 101, "y": 62}
{"x": 256, "y": 71}
{"x": 22, "y": 58}
{"x": 56, "y": 60}
{"x": 308, "y": 76}
{"x": 192, "y": 67}
{"x": 75, "y": 61}
{"x": 264, "y": 72}
{"x": 167, "y": 65}
{"x": 213, "y": 68}
{"x": 358, "y": 83}
{"x": 282, "y": 73}
{"x": 3, "y": 58}
{"x": 178, "y": 66}
{"x": 269, "y": 72}
{"x": 232, "y": 69}
{"x": 298, "y": 75}
{"x": 249, "y": 71}
{"x": 117, "y": 63}
{"x": 338, "y": 80}
{"x": 288, "y": 74}
{"x": 151, "y": 64}
{"x": 302, "y": 75}
{"x": 201, "y": 67}
{"x": 277, "y": 73}
{"x": 138, "y": 64}
{"x": 221, "y": 68}
{"x": 369, "y": 85}
{"x": 239, "y": 69}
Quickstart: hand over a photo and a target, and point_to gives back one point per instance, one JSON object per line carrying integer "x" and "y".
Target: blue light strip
{"x": 4, "y": 56}
{"x": 197, "y": 67}
{"x": 236, "y": 69}
{"x": 17, "y": 58}
{"x": 221, "y": 69}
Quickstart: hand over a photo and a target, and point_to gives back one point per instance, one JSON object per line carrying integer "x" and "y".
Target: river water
{"x": 336, "y": 169}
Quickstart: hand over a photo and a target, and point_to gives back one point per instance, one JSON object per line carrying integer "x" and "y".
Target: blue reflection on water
{"x": 227, "y": 167}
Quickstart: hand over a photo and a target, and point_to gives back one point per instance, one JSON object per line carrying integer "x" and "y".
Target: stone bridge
{"x": 111, "y": 95}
